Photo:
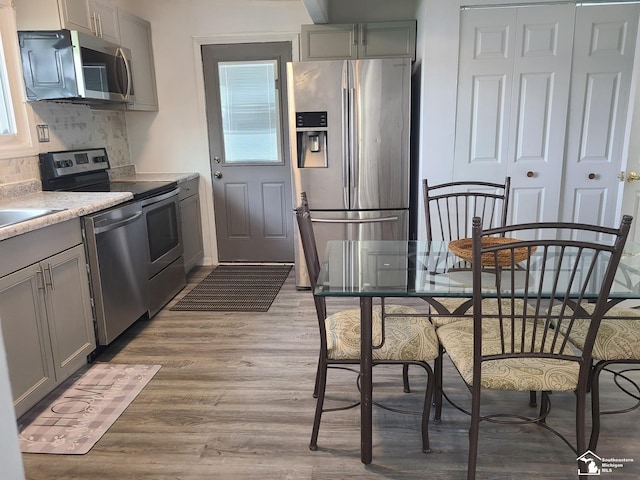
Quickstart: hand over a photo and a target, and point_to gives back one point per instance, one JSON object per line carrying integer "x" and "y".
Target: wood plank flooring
{"x": 233, "y": 401}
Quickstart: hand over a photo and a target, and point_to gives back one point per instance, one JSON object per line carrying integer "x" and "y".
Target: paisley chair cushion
{"x": 406, "y": 338}
{"x": 616, "y": 340}
{"x": 524, "y": 373}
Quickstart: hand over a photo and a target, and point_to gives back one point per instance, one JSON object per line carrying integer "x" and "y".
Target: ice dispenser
{"x": 311, "y": 135}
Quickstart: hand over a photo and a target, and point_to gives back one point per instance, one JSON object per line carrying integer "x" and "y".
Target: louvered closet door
{"x": 604, "y": 49}
{"x": 513, "y": 92}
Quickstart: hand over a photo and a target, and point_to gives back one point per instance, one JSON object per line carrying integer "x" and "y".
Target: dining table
{"x": 380, "y": 269}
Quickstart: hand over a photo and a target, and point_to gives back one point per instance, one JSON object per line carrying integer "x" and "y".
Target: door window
{"x": 249, "y": 102}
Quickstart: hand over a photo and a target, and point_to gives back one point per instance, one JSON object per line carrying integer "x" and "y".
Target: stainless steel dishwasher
{"x": 117, "y": 253}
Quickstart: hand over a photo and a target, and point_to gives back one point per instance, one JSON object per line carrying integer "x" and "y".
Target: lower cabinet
{"x": 45, "y": 315}
{"x": 191, "y": 224}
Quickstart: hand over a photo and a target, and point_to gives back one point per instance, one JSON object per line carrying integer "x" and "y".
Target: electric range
{"x": 86, "y": 170}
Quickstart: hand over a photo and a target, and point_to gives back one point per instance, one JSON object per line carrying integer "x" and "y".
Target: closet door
{"x": 604, "y": 49}
{"x": 513, "y": 91}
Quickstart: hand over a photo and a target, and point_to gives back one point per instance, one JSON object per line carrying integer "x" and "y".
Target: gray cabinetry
{"x": 358, "y": 40}
{"x": 135, "y": 34}
{"x": 45, "y": 310}
{"x": 95, "y": 17}
{"x": 191, "y": 223}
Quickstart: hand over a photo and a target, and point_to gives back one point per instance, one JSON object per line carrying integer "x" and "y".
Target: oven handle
{"x": 118, "y": 224}
{"x": 159, "y": 198}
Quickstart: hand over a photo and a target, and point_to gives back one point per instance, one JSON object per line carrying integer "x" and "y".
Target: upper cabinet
{"x": 95, "y": 17}
{"x": 135, "y": 34}
{"x": 101, "y": 18}
{"x": 358, "y": 40}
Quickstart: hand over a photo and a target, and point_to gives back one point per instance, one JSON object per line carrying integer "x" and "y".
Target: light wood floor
{"x": 233, "y": 401}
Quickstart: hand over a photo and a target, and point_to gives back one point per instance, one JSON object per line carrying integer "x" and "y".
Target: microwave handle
{"x": 128, "y": 68}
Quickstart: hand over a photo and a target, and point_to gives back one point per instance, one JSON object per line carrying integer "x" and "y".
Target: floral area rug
{"x": 72, "y": 418}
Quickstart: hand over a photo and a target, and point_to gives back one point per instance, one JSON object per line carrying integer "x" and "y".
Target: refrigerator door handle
{"x": 346, "y": 154}
{"x": 393, "y": 218}
{"x": 353, "y": 136}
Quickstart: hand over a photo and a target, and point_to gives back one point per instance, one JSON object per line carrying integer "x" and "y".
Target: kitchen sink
{"x": 11, "y": 216}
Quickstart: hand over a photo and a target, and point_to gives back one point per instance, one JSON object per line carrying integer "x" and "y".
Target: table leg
{"x": 366, "y": 386}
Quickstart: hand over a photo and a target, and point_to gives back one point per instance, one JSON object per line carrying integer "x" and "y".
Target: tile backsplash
{"x": 70, "y": 127}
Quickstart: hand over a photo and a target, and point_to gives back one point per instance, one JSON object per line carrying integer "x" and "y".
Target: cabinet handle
{"x": 531, "y": 174}
{"x": 362, "y": 37}
{"x": 355, "y": 34}
{"x": 94, "y": 21}
{"x": 40, "y": 279}
{"x": 100, "y": 24}
{"x": 50, "y": 282}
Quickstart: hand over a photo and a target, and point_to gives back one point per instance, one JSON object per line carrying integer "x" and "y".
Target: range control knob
{"x": 99, "y": 159}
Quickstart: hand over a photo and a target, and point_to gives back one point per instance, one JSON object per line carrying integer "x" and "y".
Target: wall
{"x": 70, "y": 127}
{"x": 175, "y": 138}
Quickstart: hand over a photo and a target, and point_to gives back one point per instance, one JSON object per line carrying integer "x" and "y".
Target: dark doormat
{"x": 236, "y": 288}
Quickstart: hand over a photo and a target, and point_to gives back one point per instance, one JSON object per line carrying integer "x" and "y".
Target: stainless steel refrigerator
{"x": 350, "y": 126}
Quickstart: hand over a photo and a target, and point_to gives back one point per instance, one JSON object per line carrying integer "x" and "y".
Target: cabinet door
{"x": 105, "y": 17}
{"x": 329, "y": 42}
{"x": 191, "y": 231}
{"x": 26, "y": 337}
{"x": 69, "y": 310}
{"x": 135, "y": 34}
{"x": 387, "y": 40}
{"x": 76, "y": 15}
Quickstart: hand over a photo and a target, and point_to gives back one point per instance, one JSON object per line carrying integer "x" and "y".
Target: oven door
{"x": 164, "y": 237}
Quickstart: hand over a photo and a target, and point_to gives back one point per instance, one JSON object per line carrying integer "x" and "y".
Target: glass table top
{"x": 419, "y": 269}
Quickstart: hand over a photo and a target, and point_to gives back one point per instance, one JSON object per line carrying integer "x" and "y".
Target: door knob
{"x": 218, "y": 174}
{"x": 633, "y": 176}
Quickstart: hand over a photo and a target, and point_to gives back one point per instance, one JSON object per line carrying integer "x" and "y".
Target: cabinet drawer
{"x": 31, "y": 247}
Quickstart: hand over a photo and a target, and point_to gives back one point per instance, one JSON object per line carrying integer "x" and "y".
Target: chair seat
{"x": 406, "y": 338}
{"x": 616, "y": 339}
{"x": 524, "y": 373}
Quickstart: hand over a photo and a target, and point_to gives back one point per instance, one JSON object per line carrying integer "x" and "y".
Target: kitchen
{"x": 174, "y": 139}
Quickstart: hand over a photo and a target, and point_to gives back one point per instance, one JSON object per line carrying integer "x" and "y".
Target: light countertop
{"x": 70, "y": 204}
{"x": 74, "y": 204}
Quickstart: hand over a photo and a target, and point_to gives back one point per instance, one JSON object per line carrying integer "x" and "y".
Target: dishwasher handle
{"x": 364, "y": 220}
{"x": 118, "y": 224}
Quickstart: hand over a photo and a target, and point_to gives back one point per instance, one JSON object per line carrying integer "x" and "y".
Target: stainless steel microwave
{"x": 67, "y": 65}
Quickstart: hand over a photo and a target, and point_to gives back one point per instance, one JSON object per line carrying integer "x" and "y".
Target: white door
{"x": 604, "y": 49}
{"x": 513, "y": 91}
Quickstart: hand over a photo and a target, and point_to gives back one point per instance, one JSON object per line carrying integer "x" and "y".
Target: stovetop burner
{"x": 139, "y": 190}
{"x": 86, "y": 171}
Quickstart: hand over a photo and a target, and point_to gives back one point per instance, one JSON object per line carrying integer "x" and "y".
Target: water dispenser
{"x": 311, "y": 137}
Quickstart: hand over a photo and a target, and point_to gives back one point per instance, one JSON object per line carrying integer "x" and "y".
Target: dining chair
{"x": 398, "y": 336}
{"x": 617, "y": 342}
{"x": 449, "y": 209}
{"x": 522, "y": 347}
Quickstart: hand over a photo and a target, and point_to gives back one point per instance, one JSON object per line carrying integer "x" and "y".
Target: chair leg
{"x": 474, "y": 432}
{"x": 321, "y": 384}
{"x": 437, "y": 394}
{"x": 315, "y": 388}
{"x": 405, "y": 377}
{"x": 581, "y": 395}
{"x": 426, "y": 448}
{"x": 595, "y": 406}
{"x": 533, "y": 402}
